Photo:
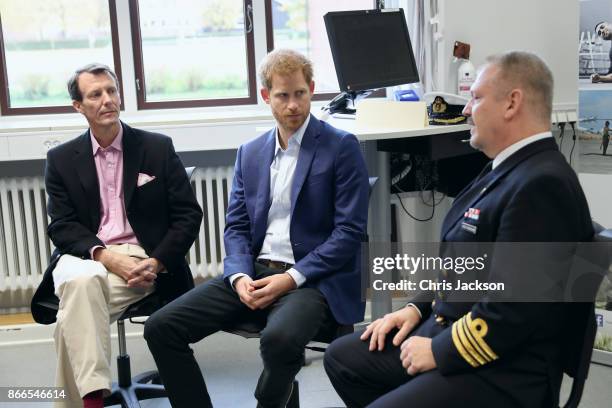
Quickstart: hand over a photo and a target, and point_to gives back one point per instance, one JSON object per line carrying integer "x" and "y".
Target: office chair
{"x": 579, "y": 348}
{"x": 250, "y": 330}
{"x": 128, "y": 391}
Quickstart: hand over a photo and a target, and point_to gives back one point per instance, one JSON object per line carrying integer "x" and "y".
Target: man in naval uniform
{"x": 434, "y": 351}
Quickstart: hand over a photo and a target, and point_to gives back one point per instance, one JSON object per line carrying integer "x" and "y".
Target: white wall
{"x": 546, "y": 27}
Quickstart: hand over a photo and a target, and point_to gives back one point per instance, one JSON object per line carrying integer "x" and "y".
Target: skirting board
{"x": 602, "y": 357}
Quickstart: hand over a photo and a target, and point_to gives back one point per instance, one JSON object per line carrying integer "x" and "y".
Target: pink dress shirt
{"x": 114, "y": 225}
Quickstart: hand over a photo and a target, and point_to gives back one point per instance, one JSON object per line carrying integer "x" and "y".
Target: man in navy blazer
{"x": 442, "y": 350}
{"x": 296, "y": 219}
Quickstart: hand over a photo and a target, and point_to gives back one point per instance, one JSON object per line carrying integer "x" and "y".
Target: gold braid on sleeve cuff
{"x": 468, "y": 337}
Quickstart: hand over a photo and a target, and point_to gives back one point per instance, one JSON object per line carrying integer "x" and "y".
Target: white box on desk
{"x": 385, "y": 114}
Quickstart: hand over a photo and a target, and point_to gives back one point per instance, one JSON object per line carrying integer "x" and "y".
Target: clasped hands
{"x": 416, "y": 354}
{"x": 260, "y": 293}
{"x": 138, "y": 273}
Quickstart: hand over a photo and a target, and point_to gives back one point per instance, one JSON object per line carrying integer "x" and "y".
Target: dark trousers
{"x": 378, "y": 379}
{"x": 288, "y": 325}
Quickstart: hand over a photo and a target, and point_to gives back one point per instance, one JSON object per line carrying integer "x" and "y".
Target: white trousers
{"x": 91, "y": 298}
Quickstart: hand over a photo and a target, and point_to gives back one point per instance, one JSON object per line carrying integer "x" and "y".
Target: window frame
{"x": 5, "y": 103}
{"x": 318, "y": 96}
{"x": 140, "y": 87}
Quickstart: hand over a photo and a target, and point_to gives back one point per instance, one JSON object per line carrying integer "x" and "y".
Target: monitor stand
{"x": 344, "y": 102}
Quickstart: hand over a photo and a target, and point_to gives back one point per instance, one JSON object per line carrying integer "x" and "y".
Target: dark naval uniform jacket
{"x": 532, "y": 196}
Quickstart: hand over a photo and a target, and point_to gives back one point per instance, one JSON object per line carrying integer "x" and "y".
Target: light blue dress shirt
{"x": 277, "y": 243}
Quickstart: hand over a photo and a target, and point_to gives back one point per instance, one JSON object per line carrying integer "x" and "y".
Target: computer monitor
{"x": 371, "y": 49}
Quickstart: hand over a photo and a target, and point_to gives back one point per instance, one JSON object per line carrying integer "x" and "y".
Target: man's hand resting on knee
{"x": 260, "y": 293}
{"x": 241, "y": 286}
{"x": 405, "y": 320}
{"x": 417, "y": 356}
{"x": 137, "y": 273}
{"x": 144, "y": 273}
{"x": 267, "y": 290}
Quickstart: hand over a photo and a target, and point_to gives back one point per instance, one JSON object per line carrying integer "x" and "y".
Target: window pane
{"x": 299, "y": 25}
{"x": 193, "y": 49}
{"x": 46, "y": 40}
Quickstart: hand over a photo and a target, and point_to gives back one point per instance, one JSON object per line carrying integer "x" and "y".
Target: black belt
{"x": 281, "y": 266}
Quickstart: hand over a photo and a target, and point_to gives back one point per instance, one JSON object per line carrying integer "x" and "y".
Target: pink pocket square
{"x": 144, "y": 179}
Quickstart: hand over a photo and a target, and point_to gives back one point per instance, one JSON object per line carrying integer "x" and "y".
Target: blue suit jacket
{"x": 329, "y": 210}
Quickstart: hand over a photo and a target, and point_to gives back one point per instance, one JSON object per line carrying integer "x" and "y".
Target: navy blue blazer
{"x": 329, "y": 210}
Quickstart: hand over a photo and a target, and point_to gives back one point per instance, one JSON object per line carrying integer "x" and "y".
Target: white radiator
{"x": 25, "y": 248}
{"x": 212, "y": 186}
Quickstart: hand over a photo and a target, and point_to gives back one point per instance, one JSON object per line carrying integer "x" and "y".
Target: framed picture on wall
{"x": 594, "y": 130}
{"x": 595, "y": 49}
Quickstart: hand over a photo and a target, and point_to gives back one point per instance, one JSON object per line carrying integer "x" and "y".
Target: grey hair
{"x": 93, "y": 68}
{"x": 529, "y": 72}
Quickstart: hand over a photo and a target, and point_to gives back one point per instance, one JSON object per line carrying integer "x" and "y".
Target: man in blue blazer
{"x": 295, "y": 221}
{"x": 441, "y": 350}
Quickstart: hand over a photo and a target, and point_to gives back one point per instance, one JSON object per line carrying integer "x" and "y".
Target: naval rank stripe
{"x": 474, "y": 344}
{"x": 459, "y": 346}
{"x": 479, "y": 329}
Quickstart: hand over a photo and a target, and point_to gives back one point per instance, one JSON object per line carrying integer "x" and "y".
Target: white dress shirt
{"x": 513, "y": 148}
{"x": 277, "y": 243}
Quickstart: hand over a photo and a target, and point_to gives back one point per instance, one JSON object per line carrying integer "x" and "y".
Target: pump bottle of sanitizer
{"x": 466, "y": 75}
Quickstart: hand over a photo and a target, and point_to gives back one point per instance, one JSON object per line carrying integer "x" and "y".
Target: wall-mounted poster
{"x": 593, "y": 134}
{"x": 595, "y": 49}
{"x": 594, "y": 130}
